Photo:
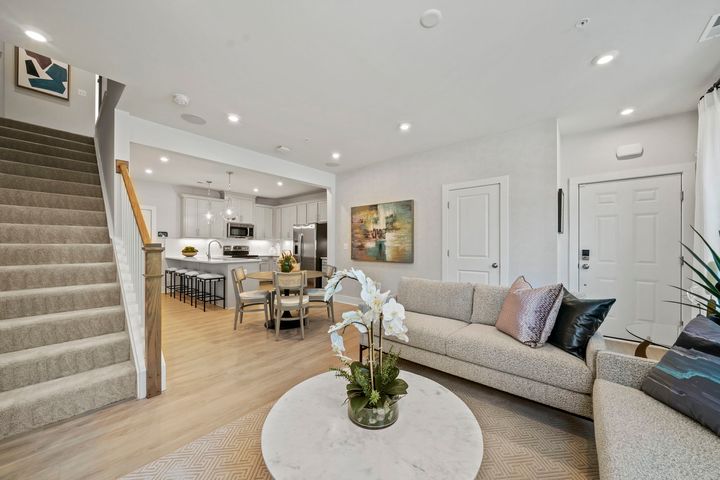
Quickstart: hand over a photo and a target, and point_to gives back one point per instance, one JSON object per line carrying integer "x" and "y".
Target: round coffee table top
{"x": 308, "y": 435}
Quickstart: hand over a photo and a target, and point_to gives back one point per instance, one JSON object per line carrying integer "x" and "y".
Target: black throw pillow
{"x": 577, "y": 321}
{"x": 687, "y": 378}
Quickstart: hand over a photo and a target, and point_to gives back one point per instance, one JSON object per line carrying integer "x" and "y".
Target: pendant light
{"x": 229, "y": 213}
{"x": 209, "y": 214}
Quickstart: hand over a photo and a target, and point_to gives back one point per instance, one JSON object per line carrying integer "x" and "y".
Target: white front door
{"x": 473, "y": 235}
{"x": 629, "y": 249}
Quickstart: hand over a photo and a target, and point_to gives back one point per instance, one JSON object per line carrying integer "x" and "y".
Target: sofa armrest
{"x": 623, "y": 369}
{"x": 595, "y": 345}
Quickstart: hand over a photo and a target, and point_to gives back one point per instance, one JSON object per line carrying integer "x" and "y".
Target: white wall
{"x": 528, "y": 155}
{"x": 76, "y": 115}
{"x": 2, "y": 78}
{"x": 667, "y": 141}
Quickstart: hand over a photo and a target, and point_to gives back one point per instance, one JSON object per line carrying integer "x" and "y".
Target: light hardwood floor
{"x": 214, "y": 376}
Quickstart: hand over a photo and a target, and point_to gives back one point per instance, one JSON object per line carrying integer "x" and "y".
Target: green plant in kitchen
{"x": 287, "y": 262}
{"x": 705, "y": 293}
{"x": 189, "y": 251}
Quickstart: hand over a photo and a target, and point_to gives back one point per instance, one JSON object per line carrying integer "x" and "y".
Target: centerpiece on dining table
{"x": 373, "y": 388}
{"x": 287, "y": 262}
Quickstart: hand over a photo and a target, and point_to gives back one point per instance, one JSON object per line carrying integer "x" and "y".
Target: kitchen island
{"x": 220, "y": 265}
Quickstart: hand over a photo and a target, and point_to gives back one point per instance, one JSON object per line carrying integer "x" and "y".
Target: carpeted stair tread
{"x": 41, "y": 254}
{"x": 41, "y": 364}
{"x": 38, "y": 330}
{"x": 9, "y": 132}
{"x": 11, "y": 196}
{"x": 50, "y": 216}
{"x": 37, "y": 171}
{"x": 35, "y": 184}
{"x": 47, "y": 161}
{"x": 24, "y": 233}
{"x": 20, "y": 277}
{"x": 32, "y": 147}
{"x": 48, "y": 402}
{"x": 41, "y": 301}
{"x": 29, "y": 127}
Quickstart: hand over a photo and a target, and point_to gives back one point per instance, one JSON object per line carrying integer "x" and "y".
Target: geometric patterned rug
{"x": 522, "y": 439}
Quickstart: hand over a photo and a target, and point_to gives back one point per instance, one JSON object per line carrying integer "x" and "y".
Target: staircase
{"x": 63, "y": 345}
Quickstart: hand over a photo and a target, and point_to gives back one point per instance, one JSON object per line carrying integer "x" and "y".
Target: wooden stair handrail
{"x": 153, "y": 289}
{"x": 123, "y": 168}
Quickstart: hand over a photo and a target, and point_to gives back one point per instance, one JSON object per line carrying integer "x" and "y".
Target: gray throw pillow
{"x": 687, "y": 378}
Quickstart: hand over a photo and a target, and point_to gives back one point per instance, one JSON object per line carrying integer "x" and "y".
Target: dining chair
{"x": 317, "y": 295}
{"x": 295, "y": 299}
{"x": 251, "y": 298}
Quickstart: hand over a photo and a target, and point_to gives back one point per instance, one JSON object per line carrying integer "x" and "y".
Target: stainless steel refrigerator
{"x": 310, "y": 245}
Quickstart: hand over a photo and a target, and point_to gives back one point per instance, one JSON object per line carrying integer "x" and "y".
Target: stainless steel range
{"x": 237, "y": 251}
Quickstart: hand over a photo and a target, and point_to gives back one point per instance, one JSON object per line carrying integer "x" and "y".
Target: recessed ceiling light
{"x": 430, "y": 18}
{"x": 336, "y": 155}
{"x": 194, "y": 119}
{"x": 164, "y": 159}
{"x": 256, "y": 190}
{"x": 605, "y": 58}
{"x": 234, "y": 118}
{"x": 148, "y": 171}
{"x": 627, "y": 111}
{"x": 279, "y": 184}
{"x": 37, "y": 36}
{"x": 405, "y": 126}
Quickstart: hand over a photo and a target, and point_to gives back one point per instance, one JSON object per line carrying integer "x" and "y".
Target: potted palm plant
{"x": 373, "y": 387}
{"x": 705, "y": 292}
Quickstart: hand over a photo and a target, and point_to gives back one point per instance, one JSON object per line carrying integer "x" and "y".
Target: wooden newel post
{"x": 153, "y": 318}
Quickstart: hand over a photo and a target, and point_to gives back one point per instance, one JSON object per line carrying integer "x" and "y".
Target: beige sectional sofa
{"x": 638, "y": 437}
{"x": 451, "y": 327}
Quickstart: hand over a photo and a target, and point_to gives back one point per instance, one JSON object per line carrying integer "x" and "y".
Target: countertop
{"x": 215, "y": 260}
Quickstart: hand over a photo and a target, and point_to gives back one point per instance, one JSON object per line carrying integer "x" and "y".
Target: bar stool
{"x": 208, "y": 283}
{"x": 169, "y": 279}
{"x": 191, "y": 286}
{"x": 179, "y": 281}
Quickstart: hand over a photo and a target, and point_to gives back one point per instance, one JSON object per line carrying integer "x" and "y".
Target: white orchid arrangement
{"x": 375, "y": 383}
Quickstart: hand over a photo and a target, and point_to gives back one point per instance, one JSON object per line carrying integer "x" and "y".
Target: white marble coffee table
{"x": 308, "y": 435}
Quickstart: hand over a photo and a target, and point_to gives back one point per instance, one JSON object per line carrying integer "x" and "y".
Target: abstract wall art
{"x": 383, "y": 232}
{"x": 42, "y": 74}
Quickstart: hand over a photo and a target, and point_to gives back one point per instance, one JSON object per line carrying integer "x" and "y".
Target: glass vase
{"x": 375, "y": 418}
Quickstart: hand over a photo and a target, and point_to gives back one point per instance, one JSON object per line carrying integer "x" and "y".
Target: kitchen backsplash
{"x": 173, "y": 246}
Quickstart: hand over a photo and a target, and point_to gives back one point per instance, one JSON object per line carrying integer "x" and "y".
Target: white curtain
{"x": 707, "y": 181}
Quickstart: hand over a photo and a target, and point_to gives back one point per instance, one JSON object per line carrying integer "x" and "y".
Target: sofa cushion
{"x": 638, "y": 437}
{"x": 442, "y": 299}
{"x": 486, "y": 346}
{"x": 487, "y": 302}
{"x": 429, "y": 332}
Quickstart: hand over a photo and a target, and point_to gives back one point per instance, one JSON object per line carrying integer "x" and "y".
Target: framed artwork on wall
{"x": 41, "y": 73}
{"x": 383, "y": 232}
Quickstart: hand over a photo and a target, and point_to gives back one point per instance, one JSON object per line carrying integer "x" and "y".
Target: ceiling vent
{"x": 712, "y": 30}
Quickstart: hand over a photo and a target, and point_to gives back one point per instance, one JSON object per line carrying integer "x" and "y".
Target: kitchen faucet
{"x": 208, "y": 248}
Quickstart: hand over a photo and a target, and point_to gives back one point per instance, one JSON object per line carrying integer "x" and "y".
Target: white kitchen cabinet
{"x": 244, "y": 208}
{"x": 263, "y": 222}
{"x": 301, "y": 218}
{"x": 195, "y": 223}
{"x": 289, "y": 218}
{"x": 312, "y": 212}
{"x": 322, "y": 212}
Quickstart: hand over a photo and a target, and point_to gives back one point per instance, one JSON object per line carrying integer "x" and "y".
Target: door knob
{"x": 494, "y": 265}
{"x": 585, "y": 266}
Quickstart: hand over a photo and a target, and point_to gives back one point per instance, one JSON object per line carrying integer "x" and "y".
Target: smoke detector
{"x": 282, "y": 149}
{"x": 712, "y": 30}
{"x": 181, "y": 99}
{"x": 430, "y": 18}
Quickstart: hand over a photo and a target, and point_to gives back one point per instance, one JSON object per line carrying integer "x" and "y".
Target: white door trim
{"x": 687, "y": 175}
{"x": 153, "y": 227}
{"x": 504, "y": 183}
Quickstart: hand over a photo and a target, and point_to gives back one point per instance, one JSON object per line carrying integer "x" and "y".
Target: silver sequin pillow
{"x": 528, "y": 314}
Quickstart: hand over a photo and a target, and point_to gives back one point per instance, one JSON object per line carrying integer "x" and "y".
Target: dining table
{"x": 268, "y": 277}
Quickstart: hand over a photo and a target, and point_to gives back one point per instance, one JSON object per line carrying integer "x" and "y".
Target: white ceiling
{"x": 327, "y": 75}
{"x": 187, "y": 170}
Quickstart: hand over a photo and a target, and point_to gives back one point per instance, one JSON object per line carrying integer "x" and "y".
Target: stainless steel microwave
{"x": 240, "y": 230}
